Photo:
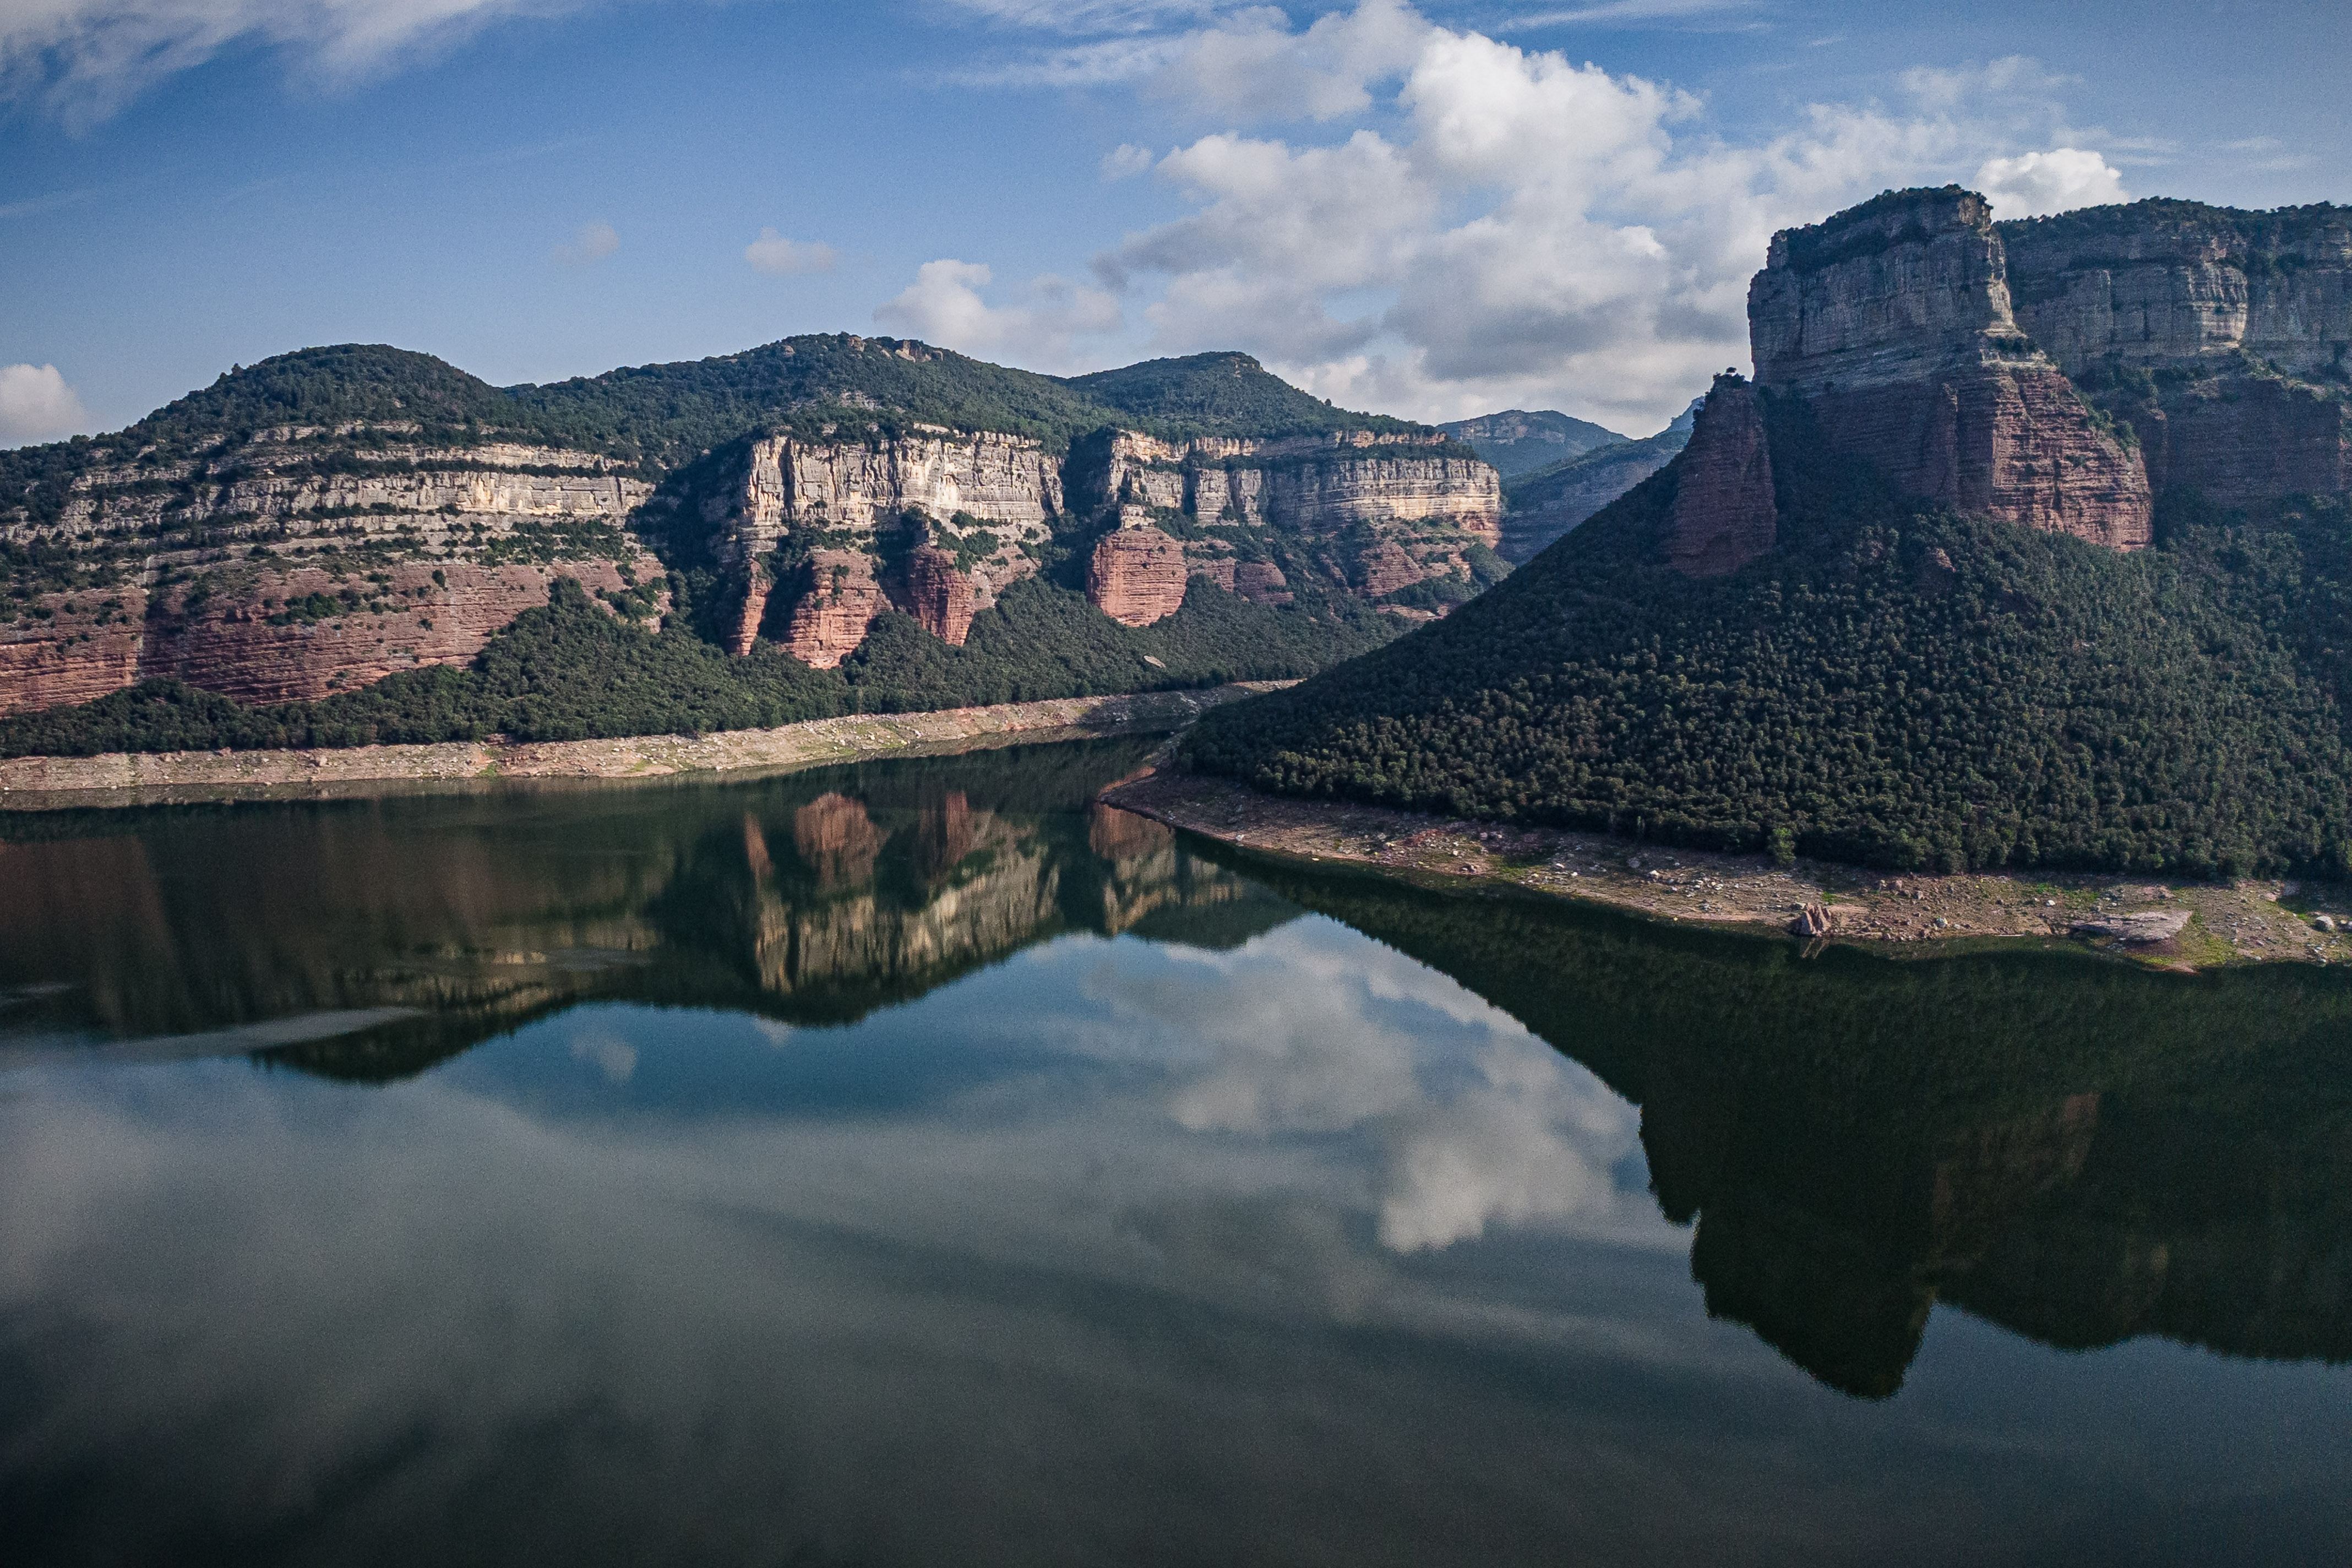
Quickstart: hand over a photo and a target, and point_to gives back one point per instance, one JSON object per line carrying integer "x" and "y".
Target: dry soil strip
{"x": 126, "y": 779}
{"x": 2239, "y": 922}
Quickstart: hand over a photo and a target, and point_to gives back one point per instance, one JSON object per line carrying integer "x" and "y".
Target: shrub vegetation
{"x": 1892, "y": 684}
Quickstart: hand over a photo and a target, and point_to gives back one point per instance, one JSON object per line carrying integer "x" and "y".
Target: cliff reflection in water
{"x": 811, "y": 899}
{"x": 2078, "y": 1152}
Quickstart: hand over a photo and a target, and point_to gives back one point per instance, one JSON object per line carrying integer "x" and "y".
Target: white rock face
{"x": 1312, "y": 483}
{"x": 841, "y": 492}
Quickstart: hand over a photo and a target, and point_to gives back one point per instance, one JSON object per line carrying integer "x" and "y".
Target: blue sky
{"x": 1430, "y": 210}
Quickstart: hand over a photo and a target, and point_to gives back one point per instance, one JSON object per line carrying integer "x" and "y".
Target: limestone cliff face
{"x": 1892, "y": 322}
{"x": 299, "y": 562}
{"x": 1366, "y": 513}
{"x": 2224, "y": 337}
{"x": 1724, "y": 514}
{"x": 854, "y": 494}
{"x": 1370, "y": 512}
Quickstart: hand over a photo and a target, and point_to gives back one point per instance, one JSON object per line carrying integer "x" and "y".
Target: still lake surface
{"x": 914, "y": 1163}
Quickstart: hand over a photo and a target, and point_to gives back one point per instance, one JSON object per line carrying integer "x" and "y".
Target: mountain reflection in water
{"x": 798, "y": 1170}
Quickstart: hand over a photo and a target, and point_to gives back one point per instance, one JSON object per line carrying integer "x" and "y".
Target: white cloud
{"x": 1255, "y": 68}
{"x": 2036, "y": 184}
{"x": 85, "y": 58}
{"x": 1126, "y": 161}
{"x": 1515, "y": 228}
{"x": 944, "y": 306}
{"x": 590, "y": 242}
{"x": 777, "y": 257}
{"x": 36, "y": 405}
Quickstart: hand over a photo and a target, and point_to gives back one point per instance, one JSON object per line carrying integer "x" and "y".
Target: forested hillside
{"x": 570, "y": 671}
{"x": 1892, "y": 683}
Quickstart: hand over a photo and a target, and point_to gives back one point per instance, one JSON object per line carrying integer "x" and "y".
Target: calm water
{"x": 912, "y": 1165}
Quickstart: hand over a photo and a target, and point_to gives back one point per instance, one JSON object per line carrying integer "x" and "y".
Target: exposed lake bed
{"x": 2178, "y": 925}
{"x": 921, "y": 1161}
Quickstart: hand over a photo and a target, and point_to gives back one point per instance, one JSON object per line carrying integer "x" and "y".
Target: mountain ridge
{"x": 1910, "y": 599}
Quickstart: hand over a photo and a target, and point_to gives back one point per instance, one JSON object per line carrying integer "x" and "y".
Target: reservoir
{"x": 917, "y": 1162}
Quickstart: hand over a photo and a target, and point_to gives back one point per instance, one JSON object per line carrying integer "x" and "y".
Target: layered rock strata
{"x": 298, "y": 562}
{"x": 1137, "y": 576}
{"x": 946, "y": 521}
{"x": 1391, "y": 509}
{"x": 1724, "y": 514}
{"x": 1892, "y": 322}
{"x": 836, "y": 600}
{"x": 2222, "y": 338}
{"x": 938, "y": 595}
{"x": 1001, "y": 494}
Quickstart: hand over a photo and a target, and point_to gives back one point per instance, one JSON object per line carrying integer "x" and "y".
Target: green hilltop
{"x": 1892, "y": 684}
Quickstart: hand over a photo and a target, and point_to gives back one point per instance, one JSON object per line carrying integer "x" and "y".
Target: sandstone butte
{"x": 2056, "y": 373}
{"x": 298, "y": 561}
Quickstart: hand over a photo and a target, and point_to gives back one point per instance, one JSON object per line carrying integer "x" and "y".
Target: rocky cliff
{"x": 1724, "y": 514}
{"x": 2223, "y": 339}
{"x": 946, "y": 521}
{"x": 1892, "y": 322}
{"x": 993, "y": 499}
{"x": 295, "y": 561}
{"x": 315, "y": 523}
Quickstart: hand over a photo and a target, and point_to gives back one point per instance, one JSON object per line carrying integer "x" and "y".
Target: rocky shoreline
{"x": 2184, "y": 927}
{"x": 126, "y": 779}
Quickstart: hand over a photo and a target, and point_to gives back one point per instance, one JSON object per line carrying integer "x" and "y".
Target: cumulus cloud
{"x": 1472, "y": 1126}
{"x": 1257, "y": 68}
{"x": 36, "y": 405}
{"x": 1513, "y": 228}
{"x": 1127, "y": 159}
{"x": 2036, "y": 184}
{"x": 85, "y": 58}
{"x": 944, "y": 306}
{"x": 590, "y": 242}
{"x": 777, "y": 257}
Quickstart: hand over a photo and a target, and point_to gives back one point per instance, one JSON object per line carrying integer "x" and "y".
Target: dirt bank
{"x": 117, "y": 778}
{"x": 2241, "y": 923}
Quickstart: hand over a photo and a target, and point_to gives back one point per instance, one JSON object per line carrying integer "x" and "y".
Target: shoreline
{"x": 1895, "y": 915}
{"x": 129, "y": 779}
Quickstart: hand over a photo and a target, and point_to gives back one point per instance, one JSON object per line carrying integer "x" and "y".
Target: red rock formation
{"x": 936, "y": 593}
{"x": 1724, "y": 514}
{"x": 227, "y": 643}
{"x": 1121, "y": 836}
{"x": 84, "y": 646}
{"x": 1383, "y": 567}
{"x": 838, "y": 600}
{"x": 947, "y": 834}
{"x": 1217, "y": 569}
{"x": 1261, "y": 582}
{"x": 1893, "y": 321}
{"x": 321, "y": 642}
{"x": 2220, "y": 336}
{"x": 836, "y": 840}
{"x": 1137, "y": 577}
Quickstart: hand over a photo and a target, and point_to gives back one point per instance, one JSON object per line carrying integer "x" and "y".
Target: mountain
{"x": 1517, "y": 442}
{"x": 1540, "y": 505}
{"x": 1914, "y": 598}
{"x": 308, "y": 527}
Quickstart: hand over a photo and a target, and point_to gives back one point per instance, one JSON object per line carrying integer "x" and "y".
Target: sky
{"x": 1434, "y": 210}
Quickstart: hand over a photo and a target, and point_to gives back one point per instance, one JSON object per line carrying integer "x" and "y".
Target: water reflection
{"x": 918, "y": 1164}
{"x": 2080, "y": 1153}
